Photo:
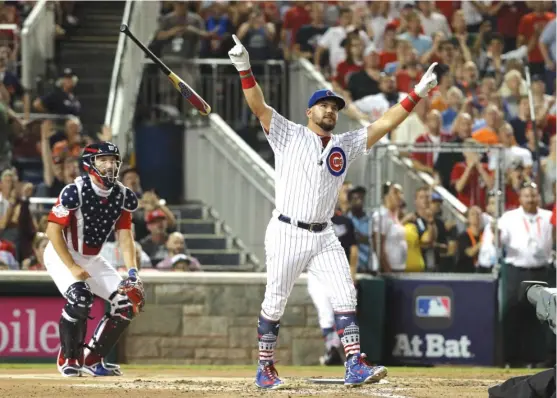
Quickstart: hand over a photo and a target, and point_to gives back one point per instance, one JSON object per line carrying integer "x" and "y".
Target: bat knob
{"x": 123, "y": 27}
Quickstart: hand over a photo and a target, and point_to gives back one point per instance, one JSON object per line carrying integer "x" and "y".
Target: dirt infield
{"x": 237, "y": 381}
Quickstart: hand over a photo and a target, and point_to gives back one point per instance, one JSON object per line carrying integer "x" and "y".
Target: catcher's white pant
{"x": 322, "y": 302}
{"x": 290, "y": 250}
{"x": 104, "y": 279}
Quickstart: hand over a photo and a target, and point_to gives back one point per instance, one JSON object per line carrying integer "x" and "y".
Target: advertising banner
{"x": 29, "y": 326}
{"x": 441, "y": 320}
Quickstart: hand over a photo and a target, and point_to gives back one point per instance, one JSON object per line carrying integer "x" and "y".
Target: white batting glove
{"x": 427, "y": 83}
{"x": 239, "y": 56}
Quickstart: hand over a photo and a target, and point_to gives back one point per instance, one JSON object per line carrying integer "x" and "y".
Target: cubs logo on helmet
{"x": 336, "y": 161}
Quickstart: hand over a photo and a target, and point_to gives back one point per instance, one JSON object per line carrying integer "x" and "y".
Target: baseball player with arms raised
{"x": 311, "y": 166}
{"x": 78, "y": 225}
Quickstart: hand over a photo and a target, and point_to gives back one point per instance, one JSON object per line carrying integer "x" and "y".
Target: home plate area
{"x": 239, "y": 382}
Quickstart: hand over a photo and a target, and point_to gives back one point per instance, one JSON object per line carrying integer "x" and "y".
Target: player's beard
{"x": 327, "y": 124}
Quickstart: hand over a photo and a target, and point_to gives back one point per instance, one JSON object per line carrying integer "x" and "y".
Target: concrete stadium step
{"x": 192, "y": 212}
{"x": 198, "y": 227}
{"x": 222, "y": 257}
{"x": 206, "y": 242}
{"x": 109, "y": 39}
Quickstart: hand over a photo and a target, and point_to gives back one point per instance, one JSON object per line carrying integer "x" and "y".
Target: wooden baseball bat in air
{"x": 187, "y": 92}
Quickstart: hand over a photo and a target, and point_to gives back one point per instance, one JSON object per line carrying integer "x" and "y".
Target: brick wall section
{"x": 212, "y": 319}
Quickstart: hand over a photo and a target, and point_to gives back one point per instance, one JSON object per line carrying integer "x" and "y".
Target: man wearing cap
{"x": 366, "y": 81}
{"x": 154, "y": 243}
{"x": 377, "y": 104}
{"x": 61, "y": 101}
{"x": 311, "y": 165}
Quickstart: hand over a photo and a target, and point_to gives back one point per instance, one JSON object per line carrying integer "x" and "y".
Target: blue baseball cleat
{"x": 267, "y": 377}
{"x": 359, "y": 371}
{"x": 102, "y": 368}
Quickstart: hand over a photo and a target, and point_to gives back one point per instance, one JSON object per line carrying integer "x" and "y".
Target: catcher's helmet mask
{"x": 92, "y": 152}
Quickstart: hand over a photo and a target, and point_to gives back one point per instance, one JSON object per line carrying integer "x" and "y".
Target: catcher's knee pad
{"x": 73, "y": 322}
{"x": 110, "y": 328}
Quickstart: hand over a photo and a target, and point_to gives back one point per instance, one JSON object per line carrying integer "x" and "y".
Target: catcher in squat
{"x": 78, "y": 225}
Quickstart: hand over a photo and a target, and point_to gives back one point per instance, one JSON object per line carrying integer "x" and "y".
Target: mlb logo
{"x": 433, "y": 306}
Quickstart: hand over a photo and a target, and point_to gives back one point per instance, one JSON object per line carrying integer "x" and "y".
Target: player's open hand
{"x": 427, "y": 83}
{"x": 239, "y": 56}
{"x": 79, "y": 273}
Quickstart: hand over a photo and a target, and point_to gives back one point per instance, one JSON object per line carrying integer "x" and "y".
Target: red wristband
{"x": 411, "y": 101}
{"x": 248, "y": 81}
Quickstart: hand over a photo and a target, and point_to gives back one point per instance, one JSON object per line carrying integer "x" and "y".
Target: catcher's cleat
{"x": 68, "y": 367}
{"x": 102, "y": 368}
{"x": 359, "y": 371}
{"x": 267, "y": 377}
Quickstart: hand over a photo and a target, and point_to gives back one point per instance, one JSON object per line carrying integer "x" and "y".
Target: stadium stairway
{"x": 210, "y": 240}
{"x": 90, "y": 50}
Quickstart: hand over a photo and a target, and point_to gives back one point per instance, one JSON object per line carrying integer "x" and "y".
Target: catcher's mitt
{"x": 133, "y": 288}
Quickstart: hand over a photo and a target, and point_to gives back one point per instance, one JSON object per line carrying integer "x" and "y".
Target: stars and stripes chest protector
{"x": 99, "y": 213}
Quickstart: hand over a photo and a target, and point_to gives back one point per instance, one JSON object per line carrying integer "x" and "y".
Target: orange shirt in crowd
{"x": 526, "y": 29}
{"x": 486, "y": 136}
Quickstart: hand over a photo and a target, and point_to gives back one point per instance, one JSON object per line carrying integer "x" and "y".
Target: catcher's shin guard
{"x": 73, "y": 322}
{"x": 109, "y": 329}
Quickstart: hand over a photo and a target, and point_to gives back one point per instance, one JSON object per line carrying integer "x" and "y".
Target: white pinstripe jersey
{"x": 304, "y": 189}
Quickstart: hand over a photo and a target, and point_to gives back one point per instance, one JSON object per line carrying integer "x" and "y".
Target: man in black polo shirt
{"x": 61, "y": 101}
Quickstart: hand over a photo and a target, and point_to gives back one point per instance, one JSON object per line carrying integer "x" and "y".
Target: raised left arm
{"x": 396, "y": 114}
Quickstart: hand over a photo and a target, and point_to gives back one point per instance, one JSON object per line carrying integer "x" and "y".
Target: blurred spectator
{"x": 352, "y": 64}
{"x": 461, "y": 35}
{"x": 490, "y": 62}
{"x": 219, "y": 23}
{"x": 515, "y": 178}
{"x": 258, "y": 37}
{"x": 420, "y": 42}
{"x": 62, "y": 100}
{"x": 11, "y": 82}
{"x": 343, "y": 202}
{"x": 406, "y": 69}
{"x": 130, "y": 178}
{"x": 68, "y": 142}
{"x": 112, "y": 253}
{"x": 439, "y": 97}
{"x": 362, "y": 223}
{"x": 377, "y": 21}
{"x": 431, "y": 20}
{"x": 512, "y": 91}
{"x": 529, "y": 31}
{"x": 8, "y": 200}
{"x": 446, "y": 243}
{"x": 547, "y": 46}
{"x": 387, "y": 224}
{"x": 424, "y": 225}
{"x": 332, "y": 39}
{"x": 366, "y": 81}
{"x": 549, "y": 169}
{"x": 35, "y": 262}
{"x": 158, "y": 226}
{"x": 8, "y": 261}
{"x": 455, "y": 100}
{"x": 150, "y": 202}
{"x": 462, "y": 130}
{"x": 532, "y": 149}
{"x": 470, "y": 242}
{"x": 425, "y": 161}
{"x": 388, "y": 51}
{"x": 471, "y": 178}
{"x": 508, "y": 19}
{"x": 485, "y": 129}
{"x": 511, "y": 152}
{"x": 519, "y": 122}
{"x": 308, "y": 35}
{"x": 175, "y": 254}
{"x": 469, "y": 79}
{"x": 488, "y": 256}
{"x": 413, "y": 126}
{"x": 293, "y": 20}
{"x": 377, "y": 104}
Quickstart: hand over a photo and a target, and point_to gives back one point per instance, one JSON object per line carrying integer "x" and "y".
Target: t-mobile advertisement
{"x": 29, "y": 325}
{"x": 441, "y": 321}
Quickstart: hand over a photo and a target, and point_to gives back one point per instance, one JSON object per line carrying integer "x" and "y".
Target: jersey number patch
{"x": 336, "y": 161}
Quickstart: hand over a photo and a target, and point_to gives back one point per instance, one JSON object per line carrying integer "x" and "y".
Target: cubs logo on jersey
{"x": 336, "y": 161}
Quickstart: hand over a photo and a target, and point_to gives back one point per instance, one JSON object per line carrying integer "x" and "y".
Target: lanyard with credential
{"x": 528, "y": 227}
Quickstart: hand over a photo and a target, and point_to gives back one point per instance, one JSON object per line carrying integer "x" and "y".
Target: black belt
{"x": 313, "y": 227}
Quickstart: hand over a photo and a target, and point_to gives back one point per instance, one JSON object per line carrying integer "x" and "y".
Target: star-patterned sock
{"x": 267, "y": 334}
{"x": 348, "y": 331}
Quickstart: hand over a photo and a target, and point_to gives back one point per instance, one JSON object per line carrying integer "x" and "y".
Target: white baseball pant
{"x": 104, "y": 278}
{"x": 322, "y": 302}
{"x": 289, "y": 251}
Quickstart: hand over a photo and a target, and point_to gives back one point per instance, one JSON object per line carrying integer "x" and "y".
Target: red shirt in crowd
{"x": 511, "y": 198}
{"x": 344, "y": 71}
{"x": 526, "y": 29}
{"x": 294, "y": 19}
{"x": 474, "y": 192}
{"x": 426, "y": 158}
{"x": 405, "y": 83}
{"x": 554, "y": 216}
{"x": 508, "y": 17}
{"x": 447, "y": 8}
{"x": 385, "y": 57}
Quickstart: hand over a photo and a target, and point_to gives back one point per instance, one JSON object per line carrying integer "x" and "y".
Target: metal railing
{"x": 37, "y": 42}
{"x": 228, "y": 175}
{"x": 142, "y": 18}
{"x": 217, "y": 82}
{"x": 304, "y": 80}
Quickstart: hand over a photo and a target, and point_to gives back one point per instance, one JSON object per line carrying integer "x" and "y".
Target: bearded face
{"x": 324, "y": 114}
